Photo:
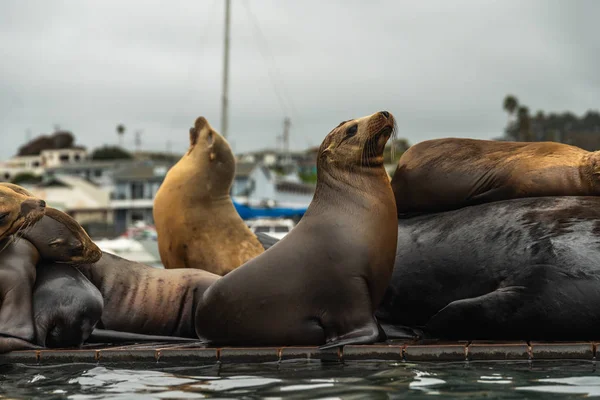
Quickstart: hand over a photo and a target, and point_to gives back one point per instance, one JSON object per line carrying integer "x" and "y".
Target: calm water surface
{"x": 295, "y": 380}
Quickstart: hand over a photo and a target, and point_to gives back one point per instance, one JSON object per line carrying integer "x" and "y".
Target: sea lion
{"x": 59, "y": 238}
{"x": 18, "y": 212}
{"x": 445, "y": 174}
{"x": 146, "y": 300}
{"x": 321, "y": 283}
{"x": 196, "y": 222}
{"x": 522, "y": 269}
{"x": 66, "y": 306}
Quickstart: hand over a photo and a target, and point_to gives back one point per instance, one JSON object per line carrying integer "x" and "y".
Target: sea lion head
{"x": 59, "y": 238}
{"x": 357, "y": 143}
{"x": 18, "y": 210}
{"x": 211, "y": 153}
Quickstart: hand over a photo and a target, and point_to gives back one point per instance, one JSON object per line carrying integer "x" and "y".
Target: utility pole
{"x": 225, "y": 99}
{"x": 28, "y": 135}
{"x": 286, "y": 138}
{"x": 168, "y": 147}
{"x": 138, "y": 140}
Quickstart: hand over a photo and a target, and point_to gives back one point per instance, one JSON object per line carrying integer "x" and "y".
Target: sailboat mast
{"x": 225, "y": 99}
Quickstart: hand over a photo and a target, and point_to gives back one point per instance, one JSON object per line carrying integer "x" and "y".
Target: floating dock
{"x": 393, "y": 352}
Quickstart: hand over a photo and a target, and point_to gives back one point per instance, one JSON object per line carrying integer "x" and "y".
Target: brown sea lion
{"x": 59, "y": 238}
{"x": 66, "y": 305}
{"x": 146, "y": 300}
{"x": 445, "y": 174}
{"x": 321, "y": 283}
{"x": 196, "y": 222}
{"x": 18, "y": 212}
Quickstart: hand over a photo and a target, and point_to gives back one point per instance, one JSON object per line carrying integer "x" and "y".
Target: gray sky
{"x": 441, "y": 67}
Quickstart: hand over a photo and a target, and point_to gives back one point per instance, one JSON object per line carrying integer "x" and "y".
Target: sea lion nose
{"x": 31, "y": 205}
{"x": 385, "y": 114}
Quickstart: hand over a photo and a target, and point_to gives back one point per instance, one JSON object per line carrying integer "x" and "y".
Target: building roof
{"x": 70, "y": 193}
{"x": 103, "y": 164}
{"x": 142, "y": 171}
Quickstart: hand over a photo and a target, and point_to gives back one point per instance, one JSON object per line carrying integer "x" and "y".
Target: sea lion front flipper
{"x": 369, "y": 334}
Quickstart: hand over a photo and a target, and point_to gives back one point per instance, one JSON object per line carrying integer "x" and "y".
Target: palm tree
{"x": 120, "y": 132}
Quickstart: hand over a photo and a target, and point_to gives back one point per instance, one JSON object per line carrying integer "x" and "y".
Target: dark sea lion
{"x": 18, "y": 212}
{"x": 66, "y": 306}
{"x": 146, "y": 300}
{"x": 445, "y": 174}
{"x": 17, "y": 277}
{"x": 522, "y": 269}
{"x": 196, "y": 222}
{"x": 321, "y": 283}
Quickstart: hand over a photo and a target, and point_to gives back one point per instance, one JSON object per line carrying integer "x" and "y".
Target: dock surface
{"x": 410, "y": 352}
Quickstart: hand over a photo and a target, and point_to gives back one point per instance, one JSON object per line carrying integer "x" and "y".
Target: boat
{"x": 275, "y": 227}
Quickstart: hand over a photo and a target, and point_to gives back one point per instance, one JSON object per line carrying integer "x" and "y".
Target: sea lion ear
{"x": 193, "y": 136}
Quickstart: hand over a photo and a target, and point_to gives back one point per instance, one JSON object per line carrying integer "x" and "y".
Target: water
{"x": 299, "y": 380}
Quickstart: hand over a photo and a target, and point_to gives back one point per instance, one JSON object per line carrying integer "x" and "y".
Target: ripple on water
{"x": 304, "y": 379}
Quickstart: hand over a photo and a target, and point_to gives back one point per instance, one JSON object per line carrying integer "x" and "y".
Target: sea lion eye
{"x": 351, "y": 131}
{"x": 56, "y": 242}
{"x": 2, "y": 216}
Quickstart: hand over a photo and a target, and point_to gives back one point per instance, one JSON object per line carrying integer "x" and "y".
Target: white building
{"x": 257, "y": 185}
{"x": 37, "y": 164}
{"x": 57, "y": 157}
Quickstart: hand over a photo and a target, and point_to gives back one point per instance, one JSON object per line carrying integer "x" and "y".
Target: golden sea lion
{"x": 196, "y": 222}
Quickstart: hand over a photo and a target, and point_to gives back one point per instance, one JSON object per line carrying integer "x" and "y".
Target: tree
{"x": 524, "y": 124}
{"x": 25, "y": 177}
{"x": 110, "y": 153}
{"x": 120, "y": 133}
{"x": 510, "y": 105}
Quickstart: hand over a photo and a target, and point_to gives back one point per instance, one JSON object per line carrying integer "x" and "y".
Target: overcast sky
{"x": 441, "y": 67}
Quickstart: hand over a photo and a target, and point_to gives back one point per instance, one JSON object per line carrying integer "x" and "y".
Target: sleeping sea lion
{"x": 519, "y": 269}
{"x": 146, "y": 300}
{"x": 445, "y": 174}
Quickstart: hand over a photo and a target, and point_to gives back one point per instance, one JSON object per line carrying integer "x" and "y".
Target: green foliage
{"x": 308, "y": 177}
{"x": 26, "y": 177}
{"x": 111, "y": 153}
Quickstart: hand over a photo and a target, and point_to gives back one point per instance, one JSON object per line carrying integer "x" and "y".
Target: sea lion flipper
{"x": 110, "y": 336}
{"x": 8, "y": 344}
{"x": 489, "y": 312}
{"x": 369, "y": 334}
{"x": 392, "y": 331}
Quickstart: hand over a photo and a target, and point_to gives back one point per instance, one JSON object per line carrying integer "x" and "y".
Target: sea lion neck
{"x": 355, "y": 187}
